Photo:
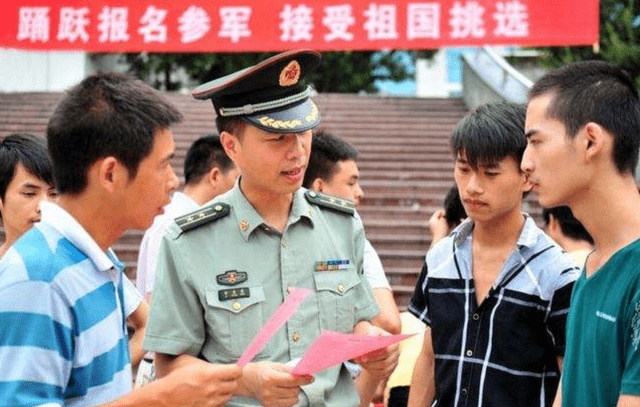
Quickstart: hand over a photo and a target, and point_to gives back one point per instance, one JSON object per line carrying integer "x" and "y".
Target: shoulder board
{"x": 202, "y": 216}
{"x": 331, "y": 202}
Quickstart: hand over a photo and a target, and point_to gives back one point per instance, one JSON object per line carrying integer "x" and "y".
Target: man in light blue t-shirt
{"x": 63, "y": 302}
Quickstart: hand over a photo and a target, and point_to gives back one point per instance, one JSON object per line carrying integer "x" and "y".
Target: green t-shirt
{"x": 602, "y": 359}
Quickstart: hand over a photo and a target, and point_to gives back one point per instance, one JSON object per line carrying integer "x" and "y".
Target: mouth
{"x": 294, "y": 173}
{"x": 474, "y": 203}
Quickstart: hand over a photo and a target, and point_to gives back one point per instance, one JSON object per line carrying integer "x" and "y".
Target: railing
{"x": 487, "y": 77}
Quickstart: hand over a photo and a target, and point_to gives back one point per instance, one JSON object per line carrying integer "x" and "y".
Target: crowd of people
{"x": 506, "y": 313}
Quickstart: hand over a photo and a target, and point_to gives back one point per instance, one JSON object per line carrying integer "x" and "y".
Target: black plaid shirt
{"x": 503, "y": 352}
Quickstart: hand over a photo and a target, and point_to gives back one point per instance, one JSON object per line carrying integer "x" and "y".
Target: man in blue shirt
{"x": 63, "y": 337}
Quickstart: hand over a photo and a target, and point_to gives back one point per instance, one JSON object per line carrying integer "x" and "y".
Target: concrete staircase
{"x": 405, "y": 163}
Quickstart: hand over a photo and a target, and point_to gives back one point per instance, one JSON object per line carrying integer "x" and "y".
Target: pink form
{"x": 331, "y": 348}
{"x": 275, "y": 322}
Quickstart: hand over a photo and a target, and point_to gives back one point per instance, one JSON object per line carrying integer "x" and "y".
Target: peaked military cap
{"x": 268, "y": 95}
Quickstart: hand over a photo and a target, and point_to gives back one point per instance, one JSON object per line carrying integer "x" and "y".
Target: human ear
{"x": 230, "y": 144}
{"x": 214, "y": 175}
{"x": 317, "y": 185}
{"x": 107, "y": 172}
{"x": 527, "y": 185}
{"x": 595, "y": 139}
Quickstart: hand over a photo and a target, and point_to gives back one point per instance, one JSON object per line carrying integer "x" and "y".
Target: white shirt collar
{"x": 68, "y": 226}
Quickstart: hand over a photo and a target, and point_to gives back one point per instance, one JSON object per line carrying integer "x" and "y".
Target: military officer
{"x": 223, "y": 270}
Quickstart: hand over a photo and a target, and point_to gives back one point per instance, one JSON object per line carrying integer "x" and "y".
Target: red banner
{"x": 235, "y": 25}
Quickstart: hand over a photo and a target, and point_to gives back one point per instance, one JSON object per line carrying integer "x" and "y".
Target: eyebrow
{"x": 530, "y": 133}
{"x": 29, "y": 185}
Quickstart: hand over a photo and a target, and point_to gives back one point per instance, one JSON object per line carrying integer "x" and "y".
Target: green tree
{"x": 343, "y": 72}
{"x": 619, "y": 40}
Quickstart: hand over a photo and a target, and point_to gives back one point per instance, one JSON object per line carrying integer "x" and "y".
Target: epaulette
{"x": 202, "y": 216}
{"x": 331, "y": 202}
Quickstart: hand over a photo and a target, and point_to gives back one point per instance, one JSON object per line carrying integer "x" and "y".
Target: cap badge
{"x": 290, "y": 74}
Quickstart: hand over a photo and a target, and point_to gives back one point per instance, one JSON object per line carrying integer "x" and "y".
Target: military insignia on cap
{"x": 232, "y": 277}
{"x": 290, "y": 74}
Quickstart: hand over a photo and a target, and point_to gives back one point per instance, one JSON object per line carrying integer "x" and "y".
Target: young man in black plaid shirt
{"x": 495, "y": 292}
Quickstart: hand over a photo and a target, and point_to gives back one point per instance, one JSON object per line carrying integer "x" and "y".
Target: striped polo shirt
{"x": 63, "y": 337}
{"x": 504, "y": 351}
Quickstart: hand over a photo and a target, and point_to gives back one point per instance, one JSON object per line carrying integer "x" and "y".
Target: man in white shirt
{"x": 208, "y": 172}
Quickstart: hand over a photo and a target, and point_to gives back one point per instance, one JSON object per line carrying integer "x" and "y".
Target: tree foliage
{"x": 342, "y": 72}
{"x": 619, "y": 39}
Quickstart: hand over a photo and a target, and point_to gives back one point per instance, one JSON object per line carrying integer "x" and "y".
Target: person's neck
{"x": 274, "y": 208}
{"x": 10, "y": 238}
{"x": 501, "y": 232}
{"x": 91, "y": 215}
{"x": 573, "y": 245}
{"x": 610, "y": 211}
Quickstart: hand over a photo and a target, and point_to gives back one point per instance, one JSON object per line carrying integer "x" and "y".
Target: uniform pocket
{"x": 337, "y": 298}
{"x": 233, "y": 320}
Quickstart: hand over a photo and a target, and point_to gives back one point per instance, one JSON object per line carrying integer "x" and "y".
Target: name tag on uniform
{"x": 331, "y": 265}
{"x": 233, "y": 293}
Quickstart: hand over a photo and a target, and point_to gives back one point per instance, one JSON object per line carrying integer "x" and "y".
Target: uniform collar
{"x": 248, "y": 219}
{"x": 528, "y": 237}
{"x": 69, "y": 228}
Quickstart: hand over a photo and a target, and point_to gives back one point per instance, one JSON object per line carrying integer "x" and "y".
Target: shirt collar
{"x": 185, "y": 201}
{"x": 248, "y": 219}
{"x": 69, "y": 228}
{"x": 527, "y": 239}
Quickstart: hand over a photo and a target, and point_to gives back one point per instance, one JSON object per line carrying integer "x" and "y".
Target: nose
{"x": 527, "y": 164}
{"x": 474, "y": 186}
{"x": 299, "y": 145}
{"x": 174, "y": 181}
{"x": 359, "y": 194}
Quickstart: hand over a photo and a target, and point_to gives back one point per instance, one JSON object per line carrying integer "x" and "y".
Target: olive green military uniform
{"x": 222, "y": 271}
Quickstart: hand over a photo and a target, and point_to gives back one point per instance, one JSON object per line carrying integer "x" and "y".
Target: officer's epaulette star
{"x": 331, "y": 202}
{"x": 202, "y": 216}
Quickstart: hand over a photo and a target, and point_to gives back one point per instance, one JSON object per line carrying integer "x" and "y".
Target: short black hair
{"x": 28, "y": 150}
{"x": 232, "y": 125}
{"x": 204, "y": 154}
{"x": 598, "y": 92}
{"x": 570, "y": 226}
{"x": 105, "y": 115}
{"x": 490, "y": 133}
{"x": 326, "y": 151}
{"x": 453, "y": 208}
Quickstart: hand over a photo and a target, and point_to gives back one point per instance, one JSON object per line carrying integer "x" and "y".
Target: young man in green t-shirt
{"x": 583, "y": 132}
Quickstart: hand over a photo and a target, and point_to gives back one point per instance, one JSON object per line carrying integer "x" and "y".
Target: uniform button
{"x": 284, "y": 245}
{"x": 469, "y": 352}
{"x": 463, "y": 392}
{"x": 476, "y": 317}
{"x": 296, "y": 337}
{"x": 341, "y": 289}
{"x": 236, "y": 306}
{"x": 289, "y": 288}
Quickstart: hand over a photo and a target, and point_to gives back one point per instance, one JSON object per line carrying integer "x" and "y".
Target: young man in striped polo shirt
{"x": 495, "y": 292}
{"x": 63, "y": 337}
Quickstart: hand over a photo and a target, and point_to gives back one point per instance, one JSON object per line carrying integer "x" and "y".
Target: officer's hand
{"x": 272, "y": 384}
{"x": 438, "y": 225}
{"x": 382, "y": 362}
{"x": 200, "y": 384}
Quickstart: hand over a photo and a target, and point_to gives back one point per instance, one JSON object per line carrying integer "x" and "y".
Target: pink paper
{"x": 331, "y": 348}
{"x": 275, "y": 322}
